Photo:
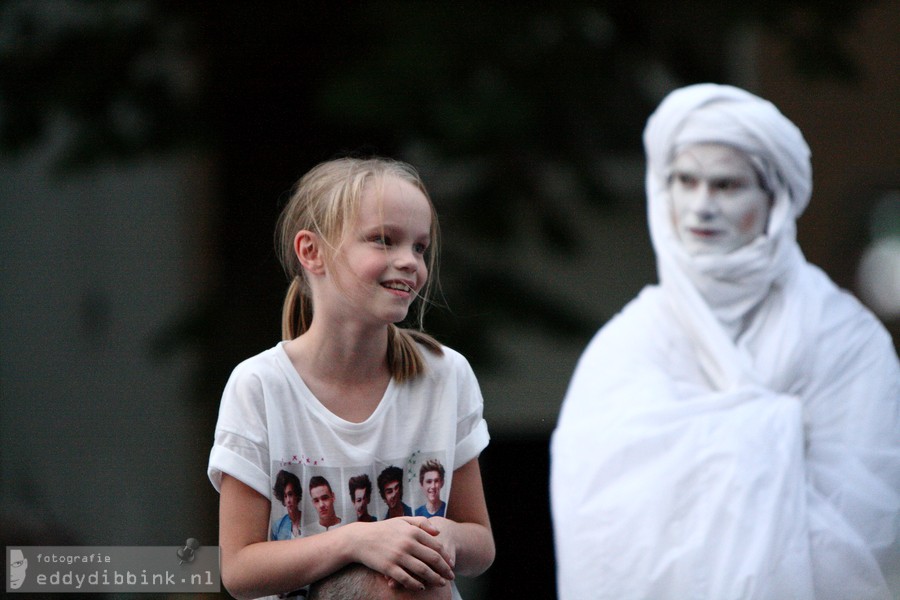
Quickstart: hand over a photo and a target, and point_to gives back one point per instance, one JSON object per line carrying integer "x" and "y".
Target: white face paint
{"x": 718, "y": 205}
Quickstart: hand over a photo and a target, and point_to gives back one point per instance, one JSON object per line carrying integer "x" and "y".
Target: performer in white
{"x": 733, "y": 433}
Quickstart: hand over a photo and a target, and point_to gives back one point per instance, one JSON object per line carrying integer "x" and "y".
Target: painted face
{"x": 392, "y": 492}
{"x": 432, "y": 484}
{"x": 718, "y": 205}
{"x": 360, "y": 502}
{"x": 382, "y": 267}
{"x": 292, "y": 501}
{"x": 323, "y": 501}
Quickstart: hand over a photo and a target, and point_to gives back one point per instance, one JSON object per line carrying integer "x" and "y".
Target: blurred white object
{"x": 879, "y": 277}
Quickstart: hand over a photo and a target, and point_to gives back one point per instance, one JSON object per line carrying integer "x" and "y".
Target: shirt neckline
{"x": 306, "y": 395}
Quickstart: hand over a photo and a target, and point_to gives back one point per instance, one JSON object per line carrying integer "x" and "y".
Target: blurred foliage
{"x": 107, "y": 69}
{"x": 510, "y": 108}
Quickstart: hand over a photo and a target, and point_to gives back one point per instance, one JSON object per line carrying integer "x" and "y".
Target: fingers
{"x": 428, "y": 527}
{"x": 415, "y": 578}
{"x": 417, "y": 521}
{"x": 427, "y": 559}
{"x": 408, "y": 554}
{"x": 442, "y": 527}
{"x": 413, "y": 574}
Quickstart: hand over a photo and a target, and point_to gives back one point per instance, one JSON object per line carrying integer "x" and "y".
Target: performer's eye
{"x": 729, "y": 184}
{"x": 686, "y": 180}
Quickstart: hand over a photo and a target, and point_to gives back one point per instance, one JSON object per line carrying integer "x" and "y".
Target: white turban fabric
{"x": 713, "y": 294}
{"x": 735, "y": 431}
{"x": 722, "y": 114}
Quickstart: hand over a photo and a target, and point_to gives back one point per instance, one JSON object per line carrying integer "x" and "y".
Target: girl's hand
{"x": 405, "y": 549}
{"x": 443, "y": 529}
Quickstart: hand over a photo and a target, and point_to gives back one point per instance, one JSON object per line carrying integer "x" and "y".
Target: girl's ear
{"x": 308, "y": 248}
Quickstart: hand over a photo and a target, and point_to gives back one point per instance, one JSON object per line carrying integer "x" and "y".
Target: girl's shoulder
{"x": 444, "y": 359}
{"x": 448, "y": 381}
{"x": 452, "y": 372}
{"x": 436, "y": 356}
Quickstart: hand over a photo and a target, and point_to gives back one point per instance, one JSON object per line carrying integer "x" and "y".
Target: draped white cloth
{"x": 733, "y": 433}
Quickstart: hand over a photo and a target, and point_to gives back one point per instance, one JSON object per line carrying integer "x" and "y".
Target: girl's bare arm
{"x": 467, "y": 529}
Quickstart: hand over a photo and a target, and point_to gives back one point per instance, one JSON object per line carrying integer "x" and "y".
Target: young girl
{"x": 349, "y": 393}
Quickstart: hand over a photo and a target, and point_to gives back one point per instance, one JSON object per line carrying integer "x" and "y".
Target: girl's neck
{"x": 345, "y": 369}
{"x": 341, "y": 353}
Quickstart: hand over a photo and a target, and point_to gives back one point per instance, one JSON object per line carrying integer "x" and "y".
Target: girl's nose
{"x": 406, "y": 260}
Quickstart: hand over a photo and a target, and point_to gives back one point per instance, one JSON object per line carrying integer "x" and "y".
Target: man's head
{"x": 358, "y": 582}
{"x": 390, "y": 485}
{"x": 774, "y": 165}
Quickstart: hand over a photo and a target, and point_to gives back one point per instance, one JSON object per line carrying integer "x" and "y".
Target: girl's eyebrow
{"x": 392, "y": 227}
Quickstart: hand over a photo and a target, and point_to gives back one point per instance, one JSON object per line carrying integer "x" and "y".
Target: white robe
{"x": 734, "y": 433}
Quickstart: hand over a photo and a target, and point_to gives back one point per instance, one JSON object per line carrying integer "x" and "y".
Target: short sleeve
{"x": 240, "y": 446}
{"x": 472, "y": 435}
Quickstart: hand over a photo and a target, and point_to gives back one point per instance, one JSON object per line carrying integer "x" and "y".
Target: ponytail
{"x": 405, "y": 360}
{"x": 404, "y": 357}
{"x": 297, "y": 313}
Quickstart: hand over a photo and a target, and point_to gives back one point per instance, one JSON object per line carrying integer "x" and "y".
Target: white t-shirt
{"x": 270, "y": 421}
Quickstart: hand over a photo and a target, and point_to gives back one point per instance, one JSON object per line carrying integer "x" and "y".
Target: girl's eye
{"x": 382, "y": 239}
{"x": 420, "y": 248}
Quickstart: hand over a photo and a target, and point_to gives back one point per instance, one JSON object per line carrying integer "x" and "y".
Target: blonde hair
{"x": 325, "y": 201}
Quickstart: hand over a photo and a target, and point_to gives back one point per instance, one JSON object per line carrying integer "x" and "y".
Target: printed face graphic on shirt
{"x": 718, "y": 205}
{"x": 392, "y": 493}
{"x": 431, "y": 485}
{"x": 323, "y": 501}
{"x": 292, "y": 502}
{"x": 360, "y": 502}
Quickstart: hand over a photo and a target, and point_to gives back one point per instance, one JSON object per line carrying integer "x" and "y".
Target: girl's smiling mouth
{"x": 399, "y": 286}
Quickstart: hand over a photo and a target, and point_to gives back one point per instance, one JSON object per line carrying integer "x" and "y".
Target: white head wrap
{"x": 714, "y": 295}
